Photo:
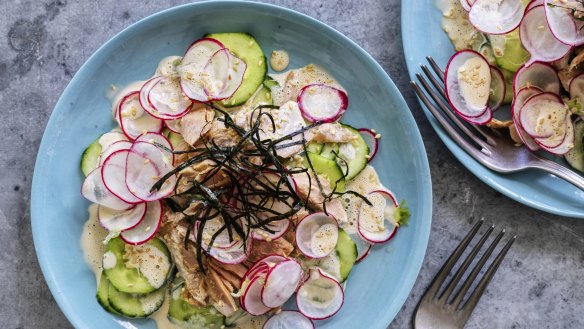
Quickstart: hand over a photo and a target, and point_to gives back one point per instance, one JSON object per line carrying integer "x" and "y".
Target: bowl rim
{"x": 425, "y": 196}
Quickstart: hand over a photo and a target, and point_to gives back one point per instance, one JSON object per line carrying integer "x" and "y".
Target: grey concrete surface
{"x": 43, "y": 43}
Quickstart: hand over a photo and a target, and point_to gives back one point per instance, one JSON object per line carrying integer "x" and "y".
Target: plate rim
{"x": 425, "y": 195}
{"x": 489, "y": 178}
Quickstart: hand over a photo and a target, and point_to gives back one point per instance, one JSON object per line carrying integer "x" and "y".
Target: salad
{"x": 225, "y": 192}
{"x": 527, "y": 54}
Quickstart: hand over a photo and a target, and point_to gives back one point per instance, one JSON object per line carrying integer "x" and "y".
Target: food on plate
{"x": 526, "y": 54}
{"x": 223, "y": 191}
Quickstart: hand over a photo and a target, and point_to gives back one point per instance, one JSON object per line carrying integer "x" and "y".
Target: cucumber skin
{"x": 129, "y": 305}
{"x": 120, "y": 275}
{"x": 250, "y": 85}
{"x": 89, "y": 157}
{"x": 358, "y": 164}
{"x": 346, "y": 250}
{"x": 328, "y": 167}
{"x": 102, "y": 294}
{"x": 330, "y": 150}
{"x": 181, "y": 311}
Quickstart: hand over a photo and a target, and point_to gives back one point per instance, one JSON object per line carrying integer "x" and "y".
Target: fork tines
{"x": 454, "y": 300}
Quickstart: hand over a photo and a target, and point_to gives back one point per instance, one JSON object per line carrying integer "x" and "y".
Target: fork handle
{"x": 554, "y": 168}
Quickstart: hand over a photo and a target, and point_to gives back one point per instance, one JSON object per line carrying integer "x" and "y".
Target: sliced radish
{"x": 168, "y": 100}
{"x": 116, "y": 146}
{"x": 257, "y": 269}
{"x": 363, "y": 246}
{"x": 468, "y": 81}
{"x": 235, "y": 254}
{"x": 372, "y": 142}
{"x": 251, "y": 300}
{"x": 148, "y": 227}
{"x": 134, "y": 120}
{"x": 212, "y": 226}
{"x": 192, "y": 68}
{"x": 158, "y": 140}
{"x": 94, "y": 190}
{"x": 542, "y": 114}
{"x": 281, "y": 282}
{"x": 173, "y": 125}
{"x": 465, "y": 5}
{"x": 146, "y": 164}
{"x": 111, "y": 137}
{"x": 496, "y": 16}
{"x": 224, "y": 75}
{"x": 538, "y": 39}
{"x": 498, "y": 88}
{"x": 279, "y": 228}
{"x": 522, "y": 96}
{"x": 568, "y": 142}
{"x": 576, "y": 88}
{"x": 145, "y": 91}
{"x": 375, "y": 223}
{"x": 558, "y": 138}
{"x": 322, "y": 103}
{"x": 562, "y": 22}
{"x": 120, "y": 220}
{"x": 481, "y": 119}
{"x": 289, "y": 320}
{"x": 316, "y": 235}
{"x": 534, "y": 3}
{"x": 269, "y": 260}
{"x": 113, "y": 173}
{"x": 539, "y": 74}
{"x": 320, "y": 297}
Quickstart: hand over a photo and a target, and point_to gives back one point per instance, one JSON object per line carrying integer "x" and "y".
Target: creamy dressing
{"x": 150, "y": 261}
{"x": 365, "y": 182}
{"x": 116, "y": 94}
{"x": 279, "y": 60}
{"x": 91, "y": 242}
{"x": 324, "y": 239}
{"x": 455, "y": 23}
{"x": 168, "y": 65}
{"x": 474, "y": 78}
{"x": 290, "y": 82}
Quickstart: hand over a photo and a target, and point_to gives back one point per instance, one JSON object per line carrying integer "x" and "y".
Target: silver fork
{"x": 489, "y": 147}
{"x": 446, "y": 310}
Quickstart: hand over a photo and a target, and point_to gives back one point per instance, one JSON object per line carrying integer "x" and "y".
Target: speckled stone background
{"x": 42, "y": 45}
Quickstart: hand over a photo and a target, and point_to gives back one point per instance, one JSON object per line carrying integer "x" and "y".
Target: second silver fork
{"x": 488, "y": 147}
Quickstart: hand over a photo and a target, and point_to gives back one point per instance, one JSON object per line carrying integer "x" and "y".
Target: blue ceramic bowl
{"x": 378, "y": 287}
{"x": 423, "y": 36}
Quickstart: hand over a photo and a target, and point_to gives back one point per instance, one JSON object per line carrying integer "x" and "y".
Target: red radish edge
{"x": 524, "y": 68}
{"x": 298, "y": 229}
{"x": 283, "y": 312}
{"x": 136, "y": 200}
{"x": 495, "y": 71}
{"x": 395, "y": 227}
{"x": 158, "y": 223}
{"x": 310, "y": 117}
{"x": 525, "y": 138}
{"x": 119, "y": 115}
{"x": 100, "y": 207}
{"x": 371, "y": 134}
{"x": 288, "y": 293}
{"x": 328, "y": 277}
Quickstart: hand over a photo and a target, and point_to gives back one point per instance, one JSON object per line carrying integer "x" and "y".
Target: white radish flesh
{"x": 568, "y": 142}
{"x": 558, "y": 138}
{"x": 322, "y": 103}
{"x": 534, "y": 3}
{"x": 290, "y": 319}
{"x": 223, "y": 75}
{"x": 538, "y": 39}
{"x": 145, "y": 91}
{"x": 375, "y": 223}
{"x": 231, "y": 255}
{"x": 120, "y": 220}
{"x": 281, "y": 282}
{"x": 468, "y": 81}
{"x": 168, "y": 100}
{"x": 522, "y": 96}
{"x": 320, "y": 297}
{"x": 251, "y": 300}
{"x": 192, "y": 68}
{"x": 316, "y": 235}
{"x": 117, "y": 146}
{"x": 94, "y": 190}
{"x": 114, "y": 176}
{"x": 542, "y": 115}
{"x": 134, "y": 120}
{"x": 111, "y": 137}
{"x": 146, "y": 164}
{"x": 562, "y": 22}
{"x": 496, "y": 16}
{"x": 147, "y": 228}
{"x": 540, "y": 75}
{"x": 158, "y": 140}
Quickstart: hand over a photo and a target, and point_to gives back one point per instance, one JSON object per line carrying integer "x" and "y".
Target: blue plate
{"x": 423, "y": 36}
{"x": 378, "y": 287}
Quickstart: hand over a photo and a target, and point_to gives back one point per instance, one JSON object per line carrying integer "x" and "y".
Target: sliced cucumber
{"x": 102, "y": 294}
{"x": 262, "y": 96}
{"x": 154, "y": 266}
{"x": 330, "y": 150}
{"x": 180, "y": 311}
{"x": 246, "y": 48}
{"x": 352, "y": 157}
{"x": 90, "y": 157}
{"x": 346, "y": 250}
{"x": 134, "y": 305}
{"x": 575, "y": 156}
{"x": 328, "y": 168}
{"x": 330, "y": 264}
{"x": 314, "y": 147}
{"x": 269, "y": 82}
